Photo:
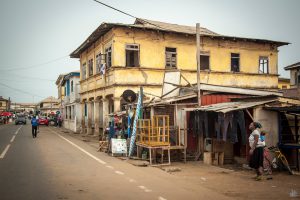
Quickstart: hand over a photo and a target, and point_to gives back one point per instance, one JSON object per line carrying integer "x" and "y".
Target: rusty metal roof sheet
{"x": 228, "y": 106}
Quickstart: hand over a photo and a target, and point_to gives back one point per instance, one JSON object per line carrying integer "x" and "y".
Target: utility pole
{"x": 198, "y": 62}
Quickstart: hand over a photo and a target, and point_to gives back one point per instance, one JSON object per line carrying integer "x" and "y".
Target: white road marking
{"x": 161, "y": 198}
{"x": 131, "y": 180}
{"x": 4, "y": 152}
{"x": 13, "y": 138}
{"x": 142, "y": 187}
{"x": 81, "y": 149}
{"x": 110, "y": 167}
{"x": 18, "y": 130}
{"x": 118, "y": 172}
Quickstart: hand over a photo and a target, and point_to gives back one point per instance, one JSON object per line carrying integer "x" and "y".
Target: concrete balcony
{"x": 128, "y": 77}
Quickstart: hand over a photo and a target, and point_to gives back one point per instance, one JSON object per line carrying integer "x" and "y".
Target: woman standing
{"x": 257, "y": 149}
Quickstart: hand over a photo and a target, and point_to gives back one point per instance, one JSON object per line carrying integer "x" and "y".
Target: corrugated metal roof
{"x": 228, "y": 106}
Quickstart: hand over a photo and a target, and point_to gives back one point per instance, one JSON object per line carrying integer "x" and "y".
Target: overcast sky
{"x": 38, "y": 35}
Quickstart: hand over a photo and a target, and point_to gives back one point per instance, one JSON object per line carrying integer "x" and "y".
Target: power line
{"x": 26, "y": 77}
{"x": 125, "y": 13}
{"x": 24, "y": 92}
{"x": 32, "y": 66}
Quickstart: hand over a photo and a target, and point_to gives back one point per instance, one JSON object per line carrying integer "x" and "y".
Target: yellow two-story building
{"x": 116, "y": 57}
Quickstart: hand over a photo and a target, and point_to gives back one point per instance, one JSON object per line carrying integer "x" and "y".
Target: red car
{"x": 43, "y": 121}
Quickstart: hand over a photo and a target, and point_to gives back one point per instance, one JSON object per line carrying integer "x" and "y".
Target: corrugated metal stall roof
{"x": 228, "y": 106}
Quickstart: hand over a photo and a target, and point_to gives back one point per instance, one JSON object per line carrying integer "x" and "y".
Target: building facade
{"x": 71, "y": 108}
{"x": 4, "y": 104}
{"x": 117, "y": 57}
{"x": 50, "y": 105}
{"x": 294, "y": 90}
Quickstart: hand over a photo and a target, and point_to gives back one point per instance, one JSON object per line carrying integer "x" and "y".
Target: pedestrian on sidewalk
{"x": 34, "y": 124}
{"x": 257, "y": 149}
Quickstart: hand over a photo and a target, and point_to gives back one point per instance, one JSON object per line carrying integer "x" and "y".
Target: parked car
{"x": 43, "y": 121}
{"x": 20, "y": 119}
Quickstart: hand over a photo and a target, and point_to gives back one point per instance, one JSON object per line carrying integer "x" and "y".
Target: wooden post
{"x": 198, "y": 62}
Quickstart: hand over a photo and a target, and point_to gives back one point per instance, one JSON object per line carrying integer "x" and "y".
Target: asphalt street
{"x": 57, "y": 166}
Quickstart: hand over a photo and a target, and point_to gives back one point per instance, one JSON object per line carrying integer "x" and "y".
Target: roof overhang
{"x": 228, "y": 106}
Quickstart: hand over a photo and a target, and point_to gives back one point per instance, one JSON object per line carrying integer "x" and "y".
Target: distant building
{"x": 23, "y": 107}
{"x": 4, "y": 104}
{"x": 48, "y": 106}
{"x": 69, "y": 88}
{"x": 294, "y": 91}
{"x": 283, "y": 83}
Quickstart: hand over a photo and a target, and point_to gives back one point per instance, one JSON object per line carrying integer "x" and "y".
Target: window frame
{"x": 129, "y": 48}
{"x": 167, "y": 59}
{"x": 263, "y": 64}
{"x": 108, "y": 57}
{"x": 91, "y": 67}
{"x": 83, "y": 77}
{"x": 72, "y": 86}
{"x": 205, "y": 53}
{"x": 239, "y": 61}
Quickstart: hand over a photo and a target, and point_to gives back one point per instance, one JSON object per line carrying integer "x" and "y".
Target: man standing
{"x": 34, "y": 124}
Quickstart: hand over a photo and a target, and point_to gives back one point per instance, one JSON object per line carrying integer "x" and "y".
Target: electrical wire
{"x": 25, "y": 77}
{"x": 129, "y": 14}
{"x": 22, "y": 91}
{"x": 32, "y": 66}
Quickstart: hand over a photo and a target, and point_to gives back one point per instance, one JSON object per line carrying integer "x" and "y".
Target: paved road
{"x": 57, "y": 166}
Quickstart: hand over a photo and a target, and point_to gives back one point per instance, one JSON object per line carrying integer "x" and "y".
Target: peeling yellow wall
{"x": 150, "y": 74}
{"x": 285, "y": 83}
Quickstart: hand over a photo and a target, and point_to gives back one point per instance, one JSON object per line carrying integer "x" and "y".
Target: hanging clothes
{"x": 203, "y": 123}
{"x": 218, "y": 124}
{"x": 227, "y": 123}
{"x": 238, "y": 120}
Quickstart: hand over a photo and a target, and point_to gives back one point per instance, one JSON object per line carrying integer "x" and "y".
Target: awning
{"x": 228, "y": 106}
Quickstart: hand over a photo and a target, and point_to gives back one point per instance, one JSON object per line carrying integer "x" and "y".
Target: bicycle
{"x": 279, "y": 161}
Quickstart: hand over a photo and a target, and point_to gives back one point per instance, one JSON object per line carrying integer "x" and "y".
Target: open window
{"x": 263, "y": 65}
{"x": 235, "y": 62}
{"x": 204, "y": 60}
{"x": 83, "y": 70}
{"x": 90, "y": 64}
{"x": 108, "y": 57}
{"x": 100, "y": 60}
{"x": 171, "y": 57}
{"x": 132, "y": 55}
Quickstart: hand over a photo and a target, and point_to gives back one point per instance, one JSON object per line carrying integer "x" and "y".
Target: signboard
{"x": 118, "y": 146}
{"x": 171, "y": 83}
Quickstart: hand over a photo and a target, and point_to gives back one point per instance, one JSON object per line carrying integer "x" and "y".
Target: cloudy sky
{"x": 38, "y": 35}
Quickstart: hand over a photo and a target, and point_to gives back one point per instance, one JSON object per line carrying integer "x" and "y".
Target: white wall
{"x": 269, "y": 121}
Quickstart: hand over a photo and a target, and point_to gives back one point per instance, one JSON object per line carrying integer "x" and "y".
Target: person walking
{"x": 256, "y": 150}
{"x": 34, "y": 124}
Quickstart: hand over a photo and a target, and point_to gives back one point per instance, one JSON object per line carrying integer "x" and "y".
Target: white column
{"x": 89, "y": 125}
{"x": 82, "y": 118}
{"x": 105, "y": 113}
{"x": 96, "y": 117}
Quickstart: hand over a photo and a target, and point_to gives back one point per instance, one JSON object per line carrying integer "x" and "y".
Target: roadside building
{"x": 284, "y": 83}
{"x": 23, "y": 107}
{"x": 4, "y": 104}
{"x": 71, "y": 112}
{"x": 48, "y": 106}
{"x": 61, "y": 92}
{"x": 294, "y": 90}
{"x": 117, "y": 57}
